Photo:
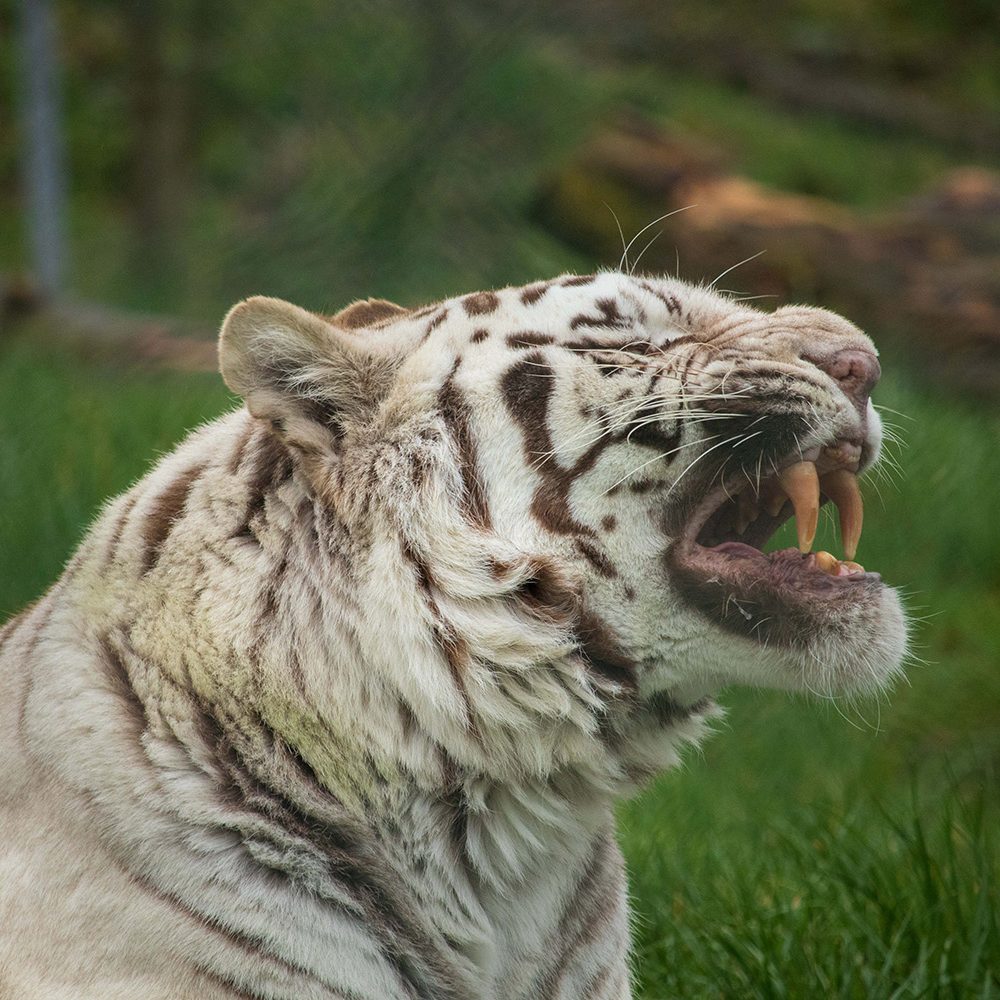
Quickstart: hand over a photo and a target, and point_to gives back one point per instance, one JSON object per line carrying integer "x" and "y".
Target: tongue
{"x": 737, "y": 549}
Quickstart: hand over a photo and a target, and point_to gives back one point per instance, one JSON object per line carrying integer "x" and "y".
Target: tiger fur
{"x": 337, "y": 700}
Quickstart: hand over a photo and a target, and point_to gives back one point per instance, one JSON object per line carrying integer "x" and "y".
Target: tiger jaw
{"x": 786, "y": 599}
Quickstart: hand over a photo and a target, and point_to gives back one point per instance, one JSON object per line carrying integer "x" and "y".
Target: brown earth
{"x": 924, "y": 276}
{"x": 102, "y": 332}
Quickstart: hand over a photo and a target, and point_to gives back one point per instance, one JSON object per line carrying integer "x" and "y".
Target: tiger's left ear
{"x": 306, "y": 376}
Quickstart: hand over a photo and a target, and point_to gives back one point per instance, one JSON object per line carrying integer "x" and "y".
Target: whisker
{"x": 642, "y": 252}
{"x": 618, "y": 421}
{"x": 899, "y": 413}
{"x": 621, "y": 233}
{"x": 738, "y": 437}
{"x": 748, "y": 298}
{"x": 746, "y": 260}
{"x": 667, "y": 215}
{"x": 639, "y": 468}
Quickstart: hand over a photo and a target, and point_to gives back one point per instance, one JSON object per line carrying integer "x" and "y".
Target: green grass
{"x": 815, "y": 900}
{"x": 812, "y": 848}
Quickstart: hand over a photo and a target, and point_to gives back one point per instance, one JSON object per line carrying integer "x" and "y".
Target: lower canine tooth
{"x": 747, "y": 510}
{"x": 827, "y": 562}
{"x": 801, "y": 484}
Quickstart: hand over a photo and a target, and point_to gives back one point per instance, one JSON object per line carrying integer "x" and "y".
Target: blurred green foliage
{"x": 948, "y": 53}
{"x": 322, "y": 151}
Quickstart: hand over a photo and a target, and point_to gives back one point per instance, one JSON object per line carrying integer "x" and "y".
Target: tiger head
{"x": 559, "y": 496}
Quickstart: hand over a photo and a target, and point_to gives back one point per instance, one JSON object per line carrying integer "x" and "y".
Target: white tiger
{"x": 337, "y": 700}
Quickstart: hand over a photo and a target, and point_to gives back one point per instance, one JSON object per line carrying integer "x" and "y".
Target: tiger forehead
{"x": 605, "y": 309}
{"x": 660, "y": 311}
{"x": 598, "y": 311}
{"x": 644, "y": 320}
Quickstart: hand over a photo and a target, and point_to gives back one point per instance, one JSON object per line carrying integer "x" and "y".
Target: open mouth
{"x": 720, "y": 563}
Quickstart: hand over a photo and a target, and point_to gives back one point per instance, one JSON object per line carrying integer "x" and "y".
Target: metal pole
{"x": 44, "y": 175}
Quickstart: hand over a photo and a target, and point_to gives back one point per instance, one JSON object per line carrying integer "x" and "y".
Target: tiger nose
{"x": 855, "y": 371}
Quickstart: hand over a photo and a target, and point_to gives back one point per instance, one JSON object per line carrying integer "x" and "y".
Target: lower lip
{"x": 738, "y": 551}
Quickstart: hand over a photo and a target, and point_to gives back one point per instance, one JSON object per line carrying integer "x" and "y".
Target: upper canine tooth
{"x": 773, "y": 497}
{"x": 747, "y": 510}
{"x": 841, "y": 486}
{"x": 775, "y": 504}
{"x": 801, "y": 484}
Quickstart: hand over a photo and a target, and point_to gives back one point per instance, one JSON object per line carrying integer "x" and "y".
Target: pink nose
{"x": 856, "y": 371}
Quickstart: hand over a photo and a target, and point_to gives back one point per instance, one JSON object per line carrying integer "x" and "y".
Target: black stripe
{"x": 239, "y": 450}
{"x": 44, "y": 610}
{"x": 454, "y": 647}
{"x": 272, "y": 465}
{"x": 117, "y": 530}
{"x": 324, "y": 829}
{"x": 120, "y": 684}
{"x": 166, "y": 509}
{"x": 11, "y": 626}
{"x": 457, "y": 413}
{"x": 589, "y": 910}
{"x": 248, "y": 943}
{"x": 226, "y": 983}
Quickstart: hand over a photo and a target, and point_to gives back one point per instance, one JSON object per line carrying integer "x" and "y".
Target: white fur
{"x": 313, "y": 645}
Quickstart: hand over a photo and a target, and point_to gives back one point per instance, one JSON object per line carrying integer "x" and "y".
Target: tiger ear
{"x": 303, "y": 374}
{"x": 365, "y": 312}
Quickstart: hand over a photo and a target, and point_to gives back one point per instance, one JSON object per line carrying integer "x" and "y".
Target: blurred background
{"x": 160, "y": 161}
